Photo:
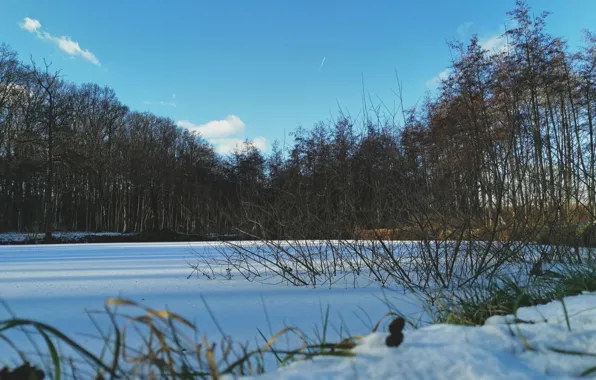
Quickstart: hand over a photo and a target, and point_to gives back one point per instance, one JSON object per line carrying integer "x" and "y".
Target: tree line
{"x": 507, "y": 141}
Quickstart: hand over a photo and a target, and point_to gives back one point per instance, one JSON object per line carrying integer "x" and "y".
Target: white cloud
{"x": 224, "y": 135}
{"x": 72, "y": 48}
{"x": 226, "y": 146}
{"x": 434, "y": 82}
{"x": 64, "y": 43}
{"x": 322, "y": 63}
{"x": 216, "y": 128}
{"x": 30, "y": 24}
{"x": 495, "y": 43}
{"x": 260, "y": 143}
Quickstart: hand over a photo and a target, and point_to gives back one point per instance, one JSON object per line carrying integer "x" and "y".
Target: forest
{"x": 506, "y": 147}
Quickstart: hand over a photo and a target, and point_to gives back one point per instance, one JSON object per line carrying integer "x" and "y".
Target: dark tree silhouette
{"x": 506, "y": 147}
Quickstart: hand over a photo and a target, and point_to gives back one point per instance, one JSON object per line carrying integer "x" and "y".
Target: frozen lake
{"x": 57, "y": 283}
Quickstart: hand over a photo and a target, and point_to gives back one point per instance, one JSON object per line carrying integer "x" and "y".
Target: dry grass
{"x": 408, "y": 234}
{"x": 155, "y": 344}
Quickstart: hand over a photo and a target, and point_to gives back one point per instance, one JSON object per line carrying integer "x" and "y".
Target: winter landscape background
{"x": 453, "y": 238}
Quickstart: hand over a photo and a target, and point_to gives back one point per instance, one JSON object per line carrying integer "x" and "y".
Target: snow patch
{"x": 497, "y": 350}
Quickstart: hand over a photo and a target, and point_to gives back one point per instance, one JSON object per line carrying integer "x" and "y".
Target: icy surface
{"x": 55, "y": 284}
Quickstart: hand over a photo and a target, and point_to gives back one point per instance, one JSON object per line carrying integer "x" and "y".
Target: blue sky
{"x": 256, "y": 69}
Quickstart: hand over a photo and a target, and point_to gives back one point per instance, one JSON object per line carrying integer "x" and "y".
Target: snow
{"x": 496, "y": 350}
{"x": 57, "y": 283}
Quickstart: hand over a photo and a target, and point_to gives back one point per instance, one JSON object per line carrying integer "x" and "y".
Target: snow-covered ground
{"x": 497, "y": 350}
{"x": 55, "y": 284}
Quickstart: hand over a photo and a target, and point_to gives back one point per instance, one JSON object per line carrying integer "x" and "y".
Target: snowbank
{"x": 498, "y": 350}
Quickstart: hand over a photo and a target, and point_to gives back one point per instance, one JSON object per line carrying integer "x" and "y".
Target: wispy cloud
{"x": 64, "y": 43}
{"x": 168, "y": 103}
{"x": 322, "y": 63}
{"x": 224, "y": 134}
{"x": 160, "y": 103}
{"x": 494, "y": 43}
{"x": 463, "y": 29}
{"x": 434, "y": 82}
